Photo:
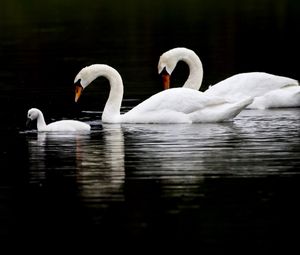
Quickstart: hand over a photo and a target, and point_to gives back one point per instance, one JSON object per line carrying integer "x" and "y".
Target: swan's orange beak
{"x": 78, "y": 91}
{"x": 166, "y": 80}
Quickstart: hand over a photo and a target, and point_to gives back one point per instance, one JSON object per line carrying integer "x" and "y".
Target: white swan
{"x": 268, "y": 90}
{"x": 177, "y": 105}
{"x": 62, "y": 125}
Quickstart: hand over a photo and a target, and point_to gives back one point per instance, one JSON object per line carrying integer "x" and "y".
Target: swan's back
{"x": 68, "y": 125}
{"x": 250, "y": 84}
{"x": 183, "y": 100}
{"x": 172, "y": 106}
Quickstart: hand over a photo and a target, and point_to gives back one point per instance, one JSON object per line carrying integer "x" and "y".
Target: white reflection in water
{"x": 96, "y": 161}
{"x": 179, "y": 157}
{"x": 101, "y": 172}
{"x": 255, "y": 144}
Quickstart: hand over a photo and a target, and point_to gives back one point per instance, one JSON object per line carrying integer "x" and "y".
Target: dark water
{"x": 218, "y": 187}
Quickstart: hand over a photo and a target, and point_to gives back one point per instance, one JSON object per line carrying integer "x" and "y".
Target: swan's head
{"x": 168, "y": 61}
{"x": 166, "y": 65}
{"x": 82, "y": 80}
{"x": 33, "y": 113}
{"x": 89, "y": 74}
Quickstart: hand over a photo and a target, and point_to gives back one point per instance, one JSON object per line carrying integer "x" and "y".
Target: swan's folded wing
{"x": 288, "y": 96}
{"x": 249, "y": 84}
{"x": 177, "y": 99}
{"x": 68, "y": 125}
{"x": 158, "y": 116}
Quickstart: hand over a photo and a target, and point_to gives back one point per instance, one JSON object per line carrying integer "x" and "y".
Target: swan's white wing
{"x": 284, "y": 97}
{"x": 159, "y": 116}
{"x": 220, "y": 112}
{"x": 67, "y": 125}
{"x": 181, "y": 105}
{"x": 249, "y": 84}
{"x": 177, "y": 99}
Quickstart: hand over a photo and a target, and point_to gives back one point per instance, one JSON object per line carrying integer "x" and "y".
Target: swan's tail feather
{"x": 244, "y": 103}
{"x": 236, "y": 108}
{"x": 222, "y": 112}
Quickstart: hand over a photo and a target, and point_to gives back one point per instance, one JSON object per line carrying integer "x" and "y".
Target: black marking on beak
{"x": 164, "y": 72}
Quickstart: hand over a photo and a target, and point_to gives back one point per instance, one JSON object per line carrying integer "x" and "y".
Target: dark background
{"x": 43, "y": 45}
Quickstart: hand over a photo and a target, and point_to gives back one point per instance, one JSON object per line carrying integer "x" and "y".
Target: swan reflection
{"x": 253, "y": 145}
{"x": 169, "y": 160}
{"x": 175, "y": 158}
{"x": 94, "y": 161}
{"x": 101, "y": 172}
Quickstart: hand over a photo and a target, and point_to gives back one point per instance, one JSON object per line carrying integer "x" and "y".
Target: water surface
{"x": 220, "y": 185}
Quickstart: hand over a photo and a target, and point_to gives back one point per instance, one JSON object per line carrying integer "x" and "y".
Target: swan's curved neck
{"x": 41, "y": 124}
{"x": 111, "y": 112}
{"x": 194, "y": 80}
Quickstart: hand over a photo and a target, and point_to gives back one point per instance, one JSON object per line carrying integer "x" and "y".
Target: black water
{"x": 219, "y": 187}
